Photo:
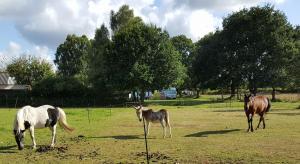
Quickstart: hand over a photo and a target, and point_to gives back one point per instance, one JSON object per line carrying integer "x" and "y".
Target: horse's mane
{"x": 145, "y": 108}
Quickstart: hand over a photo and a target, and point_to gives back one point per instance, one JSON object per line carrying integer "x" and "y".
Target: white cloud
{"x": 10, "y": 53}
{"x": 46, "y": 23}
{"x": 14, "y": 51}
{"x": 201, "y": 23}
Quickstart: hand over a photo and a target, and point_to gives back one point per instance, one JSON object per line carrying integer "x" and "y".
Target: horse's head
{"x": 247, "y": 99}
{"x": 19, "y": 136}
{"x": 138, "y": 110}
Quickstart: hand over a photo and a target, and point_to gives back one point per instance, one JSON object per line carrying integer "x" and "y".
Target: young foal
{"x": 161, "y": 116}
{"x": 41, "y": 117}
{"x": 256, "y": 105}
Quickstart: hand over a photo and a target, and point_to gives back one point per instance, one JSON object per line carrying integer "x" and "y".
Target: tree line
{"x": 256, "y": 48}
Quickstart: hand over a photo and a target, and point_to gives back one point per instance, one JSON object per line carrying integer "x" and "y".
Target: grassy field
{"x": 205, "y": 130}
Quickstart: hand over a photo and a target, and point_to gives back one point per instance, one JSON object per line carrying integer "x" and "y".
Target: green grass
{"x": 205, "y": 130}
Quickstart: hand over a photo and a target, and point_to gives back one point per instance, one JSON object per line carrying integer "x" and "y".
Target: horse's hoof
{"x": 33, "y": 147}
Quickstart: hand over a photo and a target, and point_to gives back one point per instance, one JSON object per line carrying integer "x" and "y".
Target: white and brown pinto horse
{"x": 45, "y": 116}
{"x": 256, "y": 105}
{"x": 161, "y": 116}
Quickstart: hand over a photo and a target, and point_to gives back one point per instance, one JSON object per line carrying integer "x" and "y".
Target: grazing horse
{"x": 41, "y": 117}
{"x": 256, "y": 105}
{"x": 149, "y": 115}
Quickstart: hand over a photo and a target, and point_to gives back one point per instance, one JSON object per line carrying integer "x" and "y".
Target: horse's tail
{"x": 269, "y": 105}
{"x": 63, "y": 121}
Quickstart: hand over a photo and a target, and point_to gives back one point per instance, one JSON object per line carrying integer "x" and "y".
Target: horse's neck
{"x": 19, "y": 120}
{"x": 147, "y": 113}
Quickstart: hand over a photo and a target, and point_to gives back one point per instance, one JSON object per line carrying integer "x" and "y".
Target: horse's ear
{"x": 137, "y": 107}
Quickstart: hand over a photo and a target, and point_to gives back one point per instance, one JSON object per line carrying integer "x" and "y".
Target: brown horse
{"x": 256, "y": 105}
{"x": 149, "y": 115}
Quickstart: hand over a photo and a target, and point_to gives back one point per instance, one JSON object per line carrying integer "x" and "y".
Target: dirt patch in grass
{"x": 45, "y": 149}
{"x": 155, "y": 156}
{"x": 79, "y": 138}
{"x": 89, "y": 155}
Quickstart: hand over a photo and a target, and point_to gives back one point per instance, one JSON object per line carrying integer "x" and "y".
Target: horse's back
{"x": 37, "y": 116}
{"x": 261, "y": 103}
{"x": 43, "y": 107}
{"x": 163, "y": 111}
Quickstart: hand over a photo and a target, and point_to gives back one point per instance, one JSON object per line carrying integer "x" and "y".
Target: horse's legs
{"x": 251, "y": 120}
{"x": 248, "y": 119}
{"x": 148, "y": 127}
{"x": 163, "y": 126}
{"x": 31, "y": 131}
{"x": 53, "y": 129}
{"x": 263, "y": 119}
{"x": 260, "y": 119}
{"x": 168, "y": 125}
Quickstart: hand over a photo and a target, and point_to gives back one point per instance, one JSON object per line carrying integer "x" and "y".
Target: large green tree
{"x": 97, "y": 58}
{"x": 208, "y": 64}
{"x": 294, "y": 67}
{"x": 143, "y": 58}
{"x": 29, "y": 70}
{"x": 258, "y": 46}
{"x": 71, "y": 57}
{"x": 185, "y": 47}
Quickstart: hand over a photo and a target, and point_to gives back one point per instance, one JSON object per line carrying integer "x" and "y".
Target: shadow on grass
{"x": 231, "y": 110}
{"x": 286, "y": 114}
{"x": 120, "y": 137}
{"x": 7, "y": 149}
{"x": 206, "y": 133}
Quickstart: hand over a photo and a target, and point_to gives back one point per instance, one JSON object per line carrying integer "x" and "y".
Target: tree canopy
{"x": 71, "y": 57}
{"x": 143, "y": 58}
{"x": 29, "y": 70}
{"x": 120, "y": 18}
{"x": 253, "y": 49}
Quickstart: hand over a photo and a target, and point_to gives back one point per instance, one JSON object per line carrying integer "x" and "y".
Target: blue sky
{"x": 37, "y": 27}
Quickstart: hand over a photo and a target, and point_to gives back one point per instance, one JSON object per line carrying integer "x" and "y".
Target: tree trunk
{"x": 232, "y": 90}
{"x": 222, "y": 94}
{"x": 273, "y": 94}
{"x": 142, "y": 95}
{"x": 198, "y": 93}
{"x": 253, "y": 88}
{"x": 134, "y": 97}
{"x": 178, "y": 92}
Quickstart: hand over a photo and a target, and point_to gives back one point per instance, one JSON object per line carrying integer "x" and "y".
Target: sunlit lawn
{"x": 204, "y": 131}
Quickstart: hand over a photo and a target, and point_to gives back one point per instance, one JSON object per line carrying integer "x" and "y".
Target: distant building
{"x": 8, "y": 83}
{"x": 169, "y": 93}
